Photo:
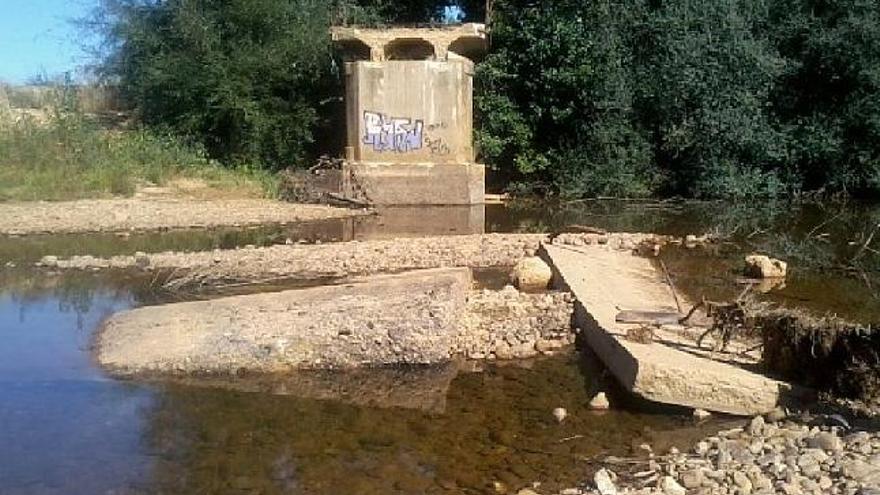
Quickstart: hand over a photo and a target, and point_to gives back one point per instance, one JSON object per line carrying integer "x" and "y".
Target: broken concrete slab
{"x": 605, "y": 282}
{"x": 410, "y": 318}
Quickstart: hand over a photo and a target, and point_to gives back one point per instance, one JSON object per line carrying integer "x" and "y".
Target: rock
{"x": 692, "y": 479}
{"x": 860, "y": 470}
{"x": 756, "y": 426}
{"x": 49, "y": 261}
{"x": 825, "y": 441}
{"x": 761, "y": 266}
{"x": 742, "y": 482}
{"x": 560, "y": 414}
{"x": 701, "y": 414}
{"x": 604, "y": 484}
{"x": 671, "y": 487}
{"x": 702, "y": 448}
{"x": 777, "y": 415}
{"x": 141, "y": 259}
{"x": 791, "y": 488}
{"x": 600, "y": 402}
{"x": 532, "y": 274}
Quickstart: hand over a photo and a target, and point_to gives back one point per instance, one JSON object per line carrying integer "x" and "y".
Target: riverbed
{"x": 65, "y": 427}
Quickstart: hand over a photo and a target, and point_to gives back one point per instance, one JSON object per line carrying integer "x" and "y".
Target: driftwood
{"x": 728, "y": 318}
{"x": 648, "y": 317}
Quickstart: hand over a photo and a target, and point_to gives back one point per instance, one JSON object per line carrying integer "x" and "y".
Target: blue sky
{"x": 36, "y": 37}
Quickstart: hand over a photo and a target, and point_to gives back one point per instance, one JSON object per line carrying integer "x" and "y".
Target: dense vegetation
{"x": 54, "y": 151}
{"x": 705, "y": 99}
{"x": 605, "y": 97}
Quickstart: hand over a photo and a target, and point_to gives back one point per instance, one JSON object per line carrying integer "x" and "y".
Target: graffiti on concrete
{"x": 437, "y": 146}
{"x": 399, "y": 135}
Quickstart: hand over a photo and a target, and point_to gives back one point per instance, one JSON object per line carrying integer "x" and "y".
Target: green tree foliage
{"x": 829, "y": 96}
{"x": 555, "y": 100}
{"x": 707, "y": 99}
{"x": 721, "y": 98}
{"x": 251, "y": 80}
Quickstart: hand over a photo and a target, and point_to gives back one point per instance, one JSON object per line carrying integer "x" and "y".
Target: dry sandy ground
{"x": 137, "y": 214}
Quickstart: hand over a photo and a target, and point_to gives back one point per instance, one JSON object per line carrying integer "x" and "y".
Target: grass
{"x": 65, "y": 156}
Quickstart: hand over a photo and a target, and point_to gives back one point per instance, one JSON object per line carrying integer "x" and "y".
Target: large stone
{"x": 408, "y": 318}
{"x": 604, "y": 483}
{"x": 761, "y": 266}
{"x": 532, "y": 274}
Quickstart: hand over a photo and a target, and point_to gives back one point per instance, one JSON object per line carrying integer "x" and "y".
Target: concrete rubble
{"x": 662, "y": 370}
{"x": 394, "y": 319}
{"x": 422, "y": 317}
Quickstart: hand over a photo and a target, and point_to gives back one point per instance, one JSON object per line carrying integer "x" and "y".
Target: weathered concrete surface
{"x": 410, "y": 111}
{"x": 604, "y": 282}
{"x": 382, "y": 44}
{"x": 415, "y": 183}
{"x": 115, "y": 215}
{"x": 409, "y": 115}
{"x": 409, "y": 318}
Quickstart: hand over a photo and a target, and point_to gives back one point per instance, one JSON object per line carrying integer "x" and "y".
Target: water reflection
{"x": 61, "y": 420}
{"x": 497, "y": 426}
{"x": 65, "y": 428}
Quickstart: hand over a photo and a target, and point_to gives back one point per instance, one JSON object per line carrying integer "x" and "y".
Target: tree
{"x": 252, "y": 80}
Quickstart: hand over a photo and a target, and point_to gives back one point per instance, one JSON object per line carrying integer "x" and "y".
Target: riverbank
{"x": 337, "y": 260}
{"x": 805, "y": 455}
{"x": 146, "y": 214}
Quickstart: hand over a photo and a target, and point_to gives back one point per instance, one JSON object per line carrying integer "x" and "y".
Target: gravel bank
{"x": 509, "y": 324}
{"x": 783, "y": 457}
{"x": 339, "y": 260}
{"x": 136, "y": 214}
{"x": 323, "y": 260}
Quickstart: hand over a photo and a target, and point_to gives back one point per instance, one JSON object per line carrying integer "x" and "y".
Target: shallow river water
{"x": 66, "y": 428}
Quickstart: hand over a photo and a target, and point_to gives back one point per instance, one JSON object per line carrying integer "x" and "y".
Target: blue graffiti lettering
{"x": 392, "y": 134}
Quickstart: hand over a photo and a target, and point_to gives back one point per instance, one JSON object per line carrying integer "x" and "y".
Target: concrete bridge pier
{"x": 409, "y": 115}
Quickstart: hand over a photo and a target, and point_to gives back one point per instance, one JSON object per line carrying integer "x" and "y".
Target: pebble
{"x": 701, "y": 414}
{"x": 604, "y": 483}
{"x": 671, "y": 487}
{"x": 560, "y": 414}
{"x": 600, "y": 402}
{"x": 766, "y": 458}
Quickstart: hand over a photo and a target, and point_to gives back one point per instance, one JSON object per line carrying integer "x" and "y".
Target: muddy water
{"x": 66, "y": 428}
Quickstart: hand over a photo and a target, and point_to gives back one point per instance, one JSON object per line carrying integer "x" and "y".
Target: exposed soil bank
{"x": 828, "y": 353}
{"x": 139, "y": 214}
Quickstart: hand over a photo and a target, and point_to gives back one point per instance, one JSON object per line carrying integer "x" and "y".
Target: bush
{"x": 703, "y": 99}
{"x": 69, "y": 157}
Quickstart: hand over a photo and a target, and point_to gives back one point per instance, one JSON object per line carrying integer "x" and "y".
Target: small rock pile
{"x": 765, "y": 457}
{"x": 509, "y": 324}
{"x": 646, "y": 244}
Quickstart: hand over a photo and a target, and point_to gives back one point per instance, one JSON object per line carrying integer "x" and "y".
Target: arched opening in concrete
{"x": 353, "y": 50}
{"x": 409, "y": 49}
{"x": 469, "y": 47}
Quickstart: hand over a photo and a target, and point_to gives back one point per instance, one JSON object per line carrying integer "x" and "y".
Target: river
{"x": 66, "y": 428}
